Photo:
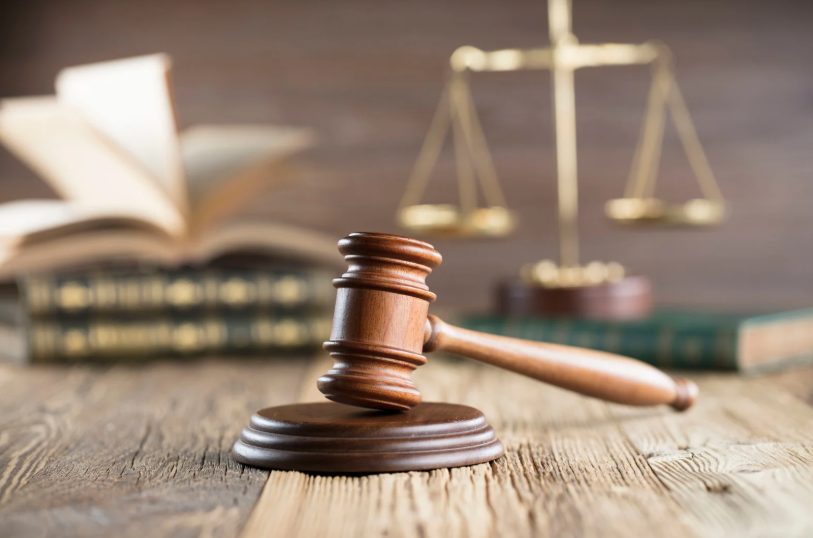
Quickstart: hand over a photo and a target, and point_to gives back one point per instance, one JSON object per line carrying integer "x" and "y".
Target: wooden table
{"x": 144, "y": 451}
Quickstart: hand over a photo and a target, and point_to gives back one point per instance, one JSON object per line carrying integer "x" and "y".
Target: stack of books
{"x": 120, "y": 315}
{"x": 136, "y": 192}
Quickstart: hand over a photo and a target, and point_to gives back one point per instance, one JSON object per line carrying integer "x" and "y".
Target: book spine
{"x": 184, "y": 291}
{"x": 661, "y": 344}
{"x": 78, "y": 340}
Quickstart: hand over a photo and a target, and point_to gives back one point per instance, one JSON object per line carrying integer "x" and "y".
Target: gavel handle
{"x": 592, "y": 373}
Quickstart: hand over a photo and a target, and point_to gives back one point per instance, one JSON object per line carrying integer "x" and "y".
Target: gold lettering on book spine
{"x": 184, "y": 293}
{"x": 75, "y": 342}
{"x": 187, "y": 338}
{"x": 290, "y": 333}
{"x": 237, "y": 292}
{"x": 289, "y": 290}
{"x": 73, "y": 296}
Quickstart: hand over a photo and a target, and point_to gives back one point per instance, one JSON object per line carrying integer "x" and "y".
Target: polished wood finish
{"x": 379, "y": 324}
{"x": 630, "y": 298}
{"x": 329, "y": 437}
{"x": 594, "y": 373}
{"x": 382, "y": 326}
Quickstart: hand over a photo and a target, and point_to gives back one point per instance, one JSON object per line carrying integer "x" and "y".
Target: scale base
{"x": 628, "y": 298}
{"x": 330, "y": 437}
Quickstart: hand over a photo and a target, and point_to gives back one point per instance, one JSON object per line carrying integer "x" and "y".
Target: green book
{"x": 673, "y": 339}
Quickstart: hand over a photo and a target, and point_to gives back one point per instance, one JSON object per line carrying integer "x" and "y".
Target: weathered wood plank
{"x": 740, "y": 464}
{"x": 132, "y": 450}
{"x": 144, "y": 450}
{"x": 796, "y": 382}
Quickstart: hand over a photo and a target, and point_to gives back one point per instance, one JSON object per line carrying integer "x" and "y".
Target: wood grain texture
{"x": 328, "y": 437}
{"x": 593, "y": 373}
{"x": 796, "y": 382}
{"x": 380, "y": 320}
{"x": 134, "y": 451}
{"x": 739, "y": 464}
{"x": 381, "y": 326}
{"x": 368, "y": 75}
{"x": 131, "y": 451}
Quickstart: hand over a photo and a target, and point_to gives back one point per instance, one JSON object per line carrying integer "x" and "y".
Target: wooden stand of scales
{"x": 567, "y": 288}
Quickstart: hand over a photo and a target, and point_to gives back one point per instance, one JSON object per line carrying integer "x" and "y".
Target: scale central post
{"x": 564, "y": 106}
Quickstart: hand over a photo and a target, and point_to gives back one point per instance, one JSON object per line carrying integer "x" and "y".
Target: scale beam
{"x": 572, "y": 56}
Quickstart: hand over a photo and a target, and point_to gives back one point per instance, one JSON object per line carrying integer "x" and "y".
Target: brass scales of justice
{"x": 596, "y": 289}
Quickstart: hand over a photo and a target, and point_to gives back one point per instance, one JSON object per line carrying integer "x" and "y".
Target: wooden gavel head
{"x": 379, "y": 327}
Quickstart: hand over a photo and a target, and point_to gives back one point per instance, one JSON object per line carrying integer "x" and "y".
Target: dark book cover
{"x": 104, "y": 339}
{"x": 183, "y": 290}
{"x": 677, "y": 339}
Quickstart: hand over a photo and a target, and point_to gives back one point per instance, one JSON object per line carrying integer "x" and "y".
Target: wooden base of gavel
{"x": 376, "y": 422}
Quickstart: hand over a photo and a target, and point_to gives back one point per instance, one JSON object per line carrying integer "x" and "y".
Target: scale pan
{"x": 652, "y": 211}
{"x": 446, "y": 220}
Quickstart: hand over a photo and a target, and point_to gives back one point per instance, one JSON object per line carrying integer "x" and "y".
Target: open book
{"x": 132, "y": 187}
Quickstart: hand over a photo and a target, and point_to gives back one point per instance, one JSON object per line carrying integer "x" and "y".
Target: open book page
{"x": 46, "y": 235}
{"x": 226, "y": 165}
{"x": 130, "y": 102}
{"x": 111, "y": 239}
{"x": 81, "y": 165}
{"x": 27, "y": 222}
{"x": 275, "y": 240}
{"x": 23, "y": 218}
{"x": 101, "y": 246}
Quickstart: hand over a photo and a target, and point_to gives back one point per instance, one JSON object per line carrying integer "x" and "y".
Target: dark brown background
{"x": 368, "y": 74}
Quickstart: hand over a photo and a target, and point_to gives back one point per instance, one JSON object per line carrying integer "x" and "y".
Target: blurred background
{"x": 367, "y": 76}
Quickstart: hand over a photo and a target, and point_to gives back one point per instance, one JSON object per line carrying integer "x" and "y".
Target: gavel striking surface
{"x": 330, "y": 437}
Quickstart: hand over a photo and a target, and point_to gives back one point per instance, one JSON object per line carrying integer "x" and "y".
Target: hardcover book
{"x": 684, "y": 340}
{"x": 118, "y": 315}
{"x": 162, "y": 336}
{"x": 143, "y": 293}
{"x": 132, "y": 186}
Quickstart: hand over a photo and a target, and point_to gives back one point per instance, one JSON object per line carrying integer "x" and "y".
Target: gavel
{"x": 382, "y": 327}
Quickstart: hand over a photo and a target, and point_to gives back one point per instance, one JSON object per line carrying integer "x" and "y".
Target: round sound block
{"x": 335, "y": 438}
{"x": 628, "y": 298}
